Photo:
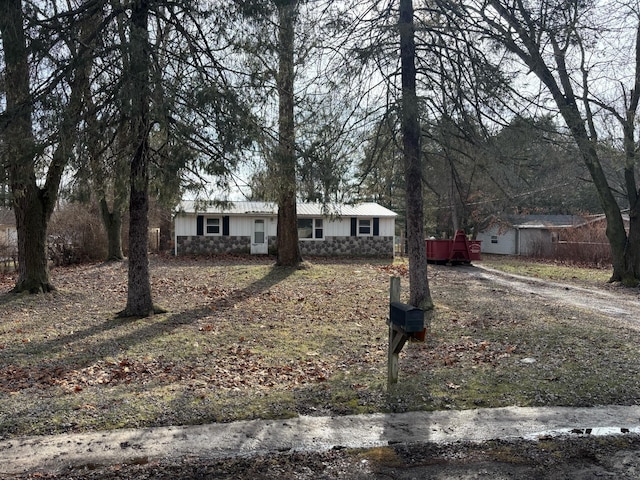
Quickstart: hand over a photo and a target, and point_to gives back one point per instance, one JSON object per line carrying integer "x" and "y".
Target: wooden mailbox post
{"x": 405, "y": 322}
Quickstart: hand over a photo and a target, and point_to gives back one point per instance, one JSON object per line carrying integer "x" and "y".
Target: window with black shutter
{"x": 200, "y": 225}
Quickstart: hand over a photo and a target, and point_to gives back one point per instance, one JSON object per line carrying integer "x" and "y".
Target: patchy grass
{"x": 245, "y": 339}
{"x": 548, "y": 269}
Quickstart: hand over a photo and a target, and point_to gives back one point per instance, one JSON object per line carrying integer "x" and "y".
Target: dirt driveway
{"x": 618, "y": 303}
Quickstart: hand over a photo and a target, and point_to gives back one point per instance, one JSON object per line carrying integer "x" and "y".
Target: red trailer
{"x": 453, "y": 251}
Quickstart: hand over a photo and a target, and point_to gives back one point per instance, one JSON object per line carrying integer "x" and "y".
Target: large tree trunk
{"x": 419, "y": 294}
{"x": 31, "y": 225}
{"x": 630, "y": 273}
{"x": 112, "y": 221}
{"x": 32, "y": 205}
{"x": 616, "y": 233}
{"x": 139, "y": 300}
{"x": 288, "y": 246}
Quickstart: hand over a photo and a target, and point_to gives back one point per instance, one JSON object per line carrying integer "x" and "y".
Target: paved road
{"x": 57, "y": 452}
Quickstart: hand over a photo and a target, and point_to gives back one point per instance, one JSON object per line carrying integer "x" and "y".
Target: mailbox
{"x": 407, "y": 317}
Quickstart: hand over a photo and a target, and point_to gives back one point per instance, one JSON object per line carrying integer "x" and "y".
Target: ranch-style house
{"x": 366, "y": 229}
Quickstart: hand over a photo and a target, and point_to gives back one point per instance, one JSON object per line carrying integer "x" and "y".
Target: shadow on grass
{"x": 149, "y": 328}
{"x": 54, "y": 359}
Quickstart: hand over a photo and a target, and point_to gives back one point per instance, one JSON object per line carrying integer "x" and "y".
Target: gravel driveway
{"x": 618, "y": 303}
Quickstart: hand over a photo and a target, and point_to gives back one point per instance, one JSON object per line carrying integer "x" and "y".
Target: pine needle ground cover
{"x": 244, "y": 339}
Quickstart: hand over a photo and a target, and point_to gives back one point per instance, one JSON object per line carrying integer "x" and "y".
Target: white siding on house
{"x": 499, "y": 240}
{"x": 387, "y": 227}
{"x": 331, "y": 228}
{"x": 534, "y": 241}
{"x": 185, "y": 225}
{"x": 240, "y": 226}
{"x": 341, "y": 227}
{"x": 243, "y": 226}
{"x": 336, "y": 229}
{"x": 515, "y": 241}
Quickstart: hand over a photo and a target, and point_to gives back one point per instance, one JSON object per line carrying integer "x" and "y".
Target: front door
{"x": 259, "y": 238}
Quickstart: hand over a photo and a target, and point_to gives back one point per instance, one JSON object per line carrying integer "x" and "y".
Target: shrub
{"x": 587, "y": 244}
{"x": 76, "y": 235}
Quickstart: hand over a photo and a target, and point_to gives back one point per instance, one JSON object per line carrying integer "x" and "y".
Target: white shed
{"x": 526, "y": 234}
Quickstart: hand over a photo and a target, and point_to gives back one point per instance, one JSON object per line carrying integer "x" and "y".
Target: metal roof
{"x": 231, "y": 208}
{"x": 546, "y": 221}
{"x": 369, "y": 209}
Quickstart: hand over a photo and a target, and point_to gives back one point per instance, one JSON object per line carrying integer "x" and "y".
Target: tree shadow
{"x": 10, "y": 296}
{"x": 149, "y": 328}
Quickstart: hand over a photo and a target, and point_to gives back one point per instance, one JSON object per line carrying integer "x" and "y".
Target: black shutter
{"x": 225, "y": 225}
{"x": 354, "y": 227}
{"x": 200, "y": 225}
{"x": 376, "y": 227}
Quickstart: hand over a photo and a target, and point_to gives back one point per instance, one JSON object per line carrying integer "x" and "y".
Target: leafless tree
{"x": 556, "y": 42}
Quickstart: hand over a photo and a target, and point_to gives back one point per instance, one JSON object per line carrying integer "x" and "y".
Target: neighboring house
{"x": 530, "y": 235}
{"x": 366, "y": 229}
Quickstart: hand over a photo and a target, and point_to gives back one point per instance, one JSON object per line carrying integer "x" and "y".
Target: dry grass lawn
{"x": 244, "y": 339}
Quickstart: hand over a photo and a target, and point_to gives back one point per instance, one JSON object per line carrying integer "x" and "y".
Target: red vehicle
{"x": 453, "y": 251}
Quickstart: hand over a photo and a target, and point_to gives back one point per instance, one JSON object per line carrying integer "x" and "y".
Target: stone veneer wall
{"x": 330, "y": 246}
{"x": 202, "y": 244}
{"x": 349, "y": 246}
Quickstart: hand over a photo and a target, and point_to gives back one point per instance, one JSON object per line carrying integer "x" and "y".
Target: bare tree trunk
{"x": 31, "y": 225}
{"x": 419, "y": 295}
{"x": 453, "y": 203}
{"x": 631, "y": 268}
{"x": 288, "y": 246}
{"x": 112, "y": 221}
{"x": 33, "y": 205}
{"x": 33, "y": 272}
{"x": 139, "y": 300}
{"x": 632, "y": 253}
{"x": 616, "y": 233}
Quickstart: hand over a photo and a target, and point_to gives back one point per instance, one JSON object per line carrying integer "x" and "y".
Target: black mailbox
{"x": 408, "y": 317}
